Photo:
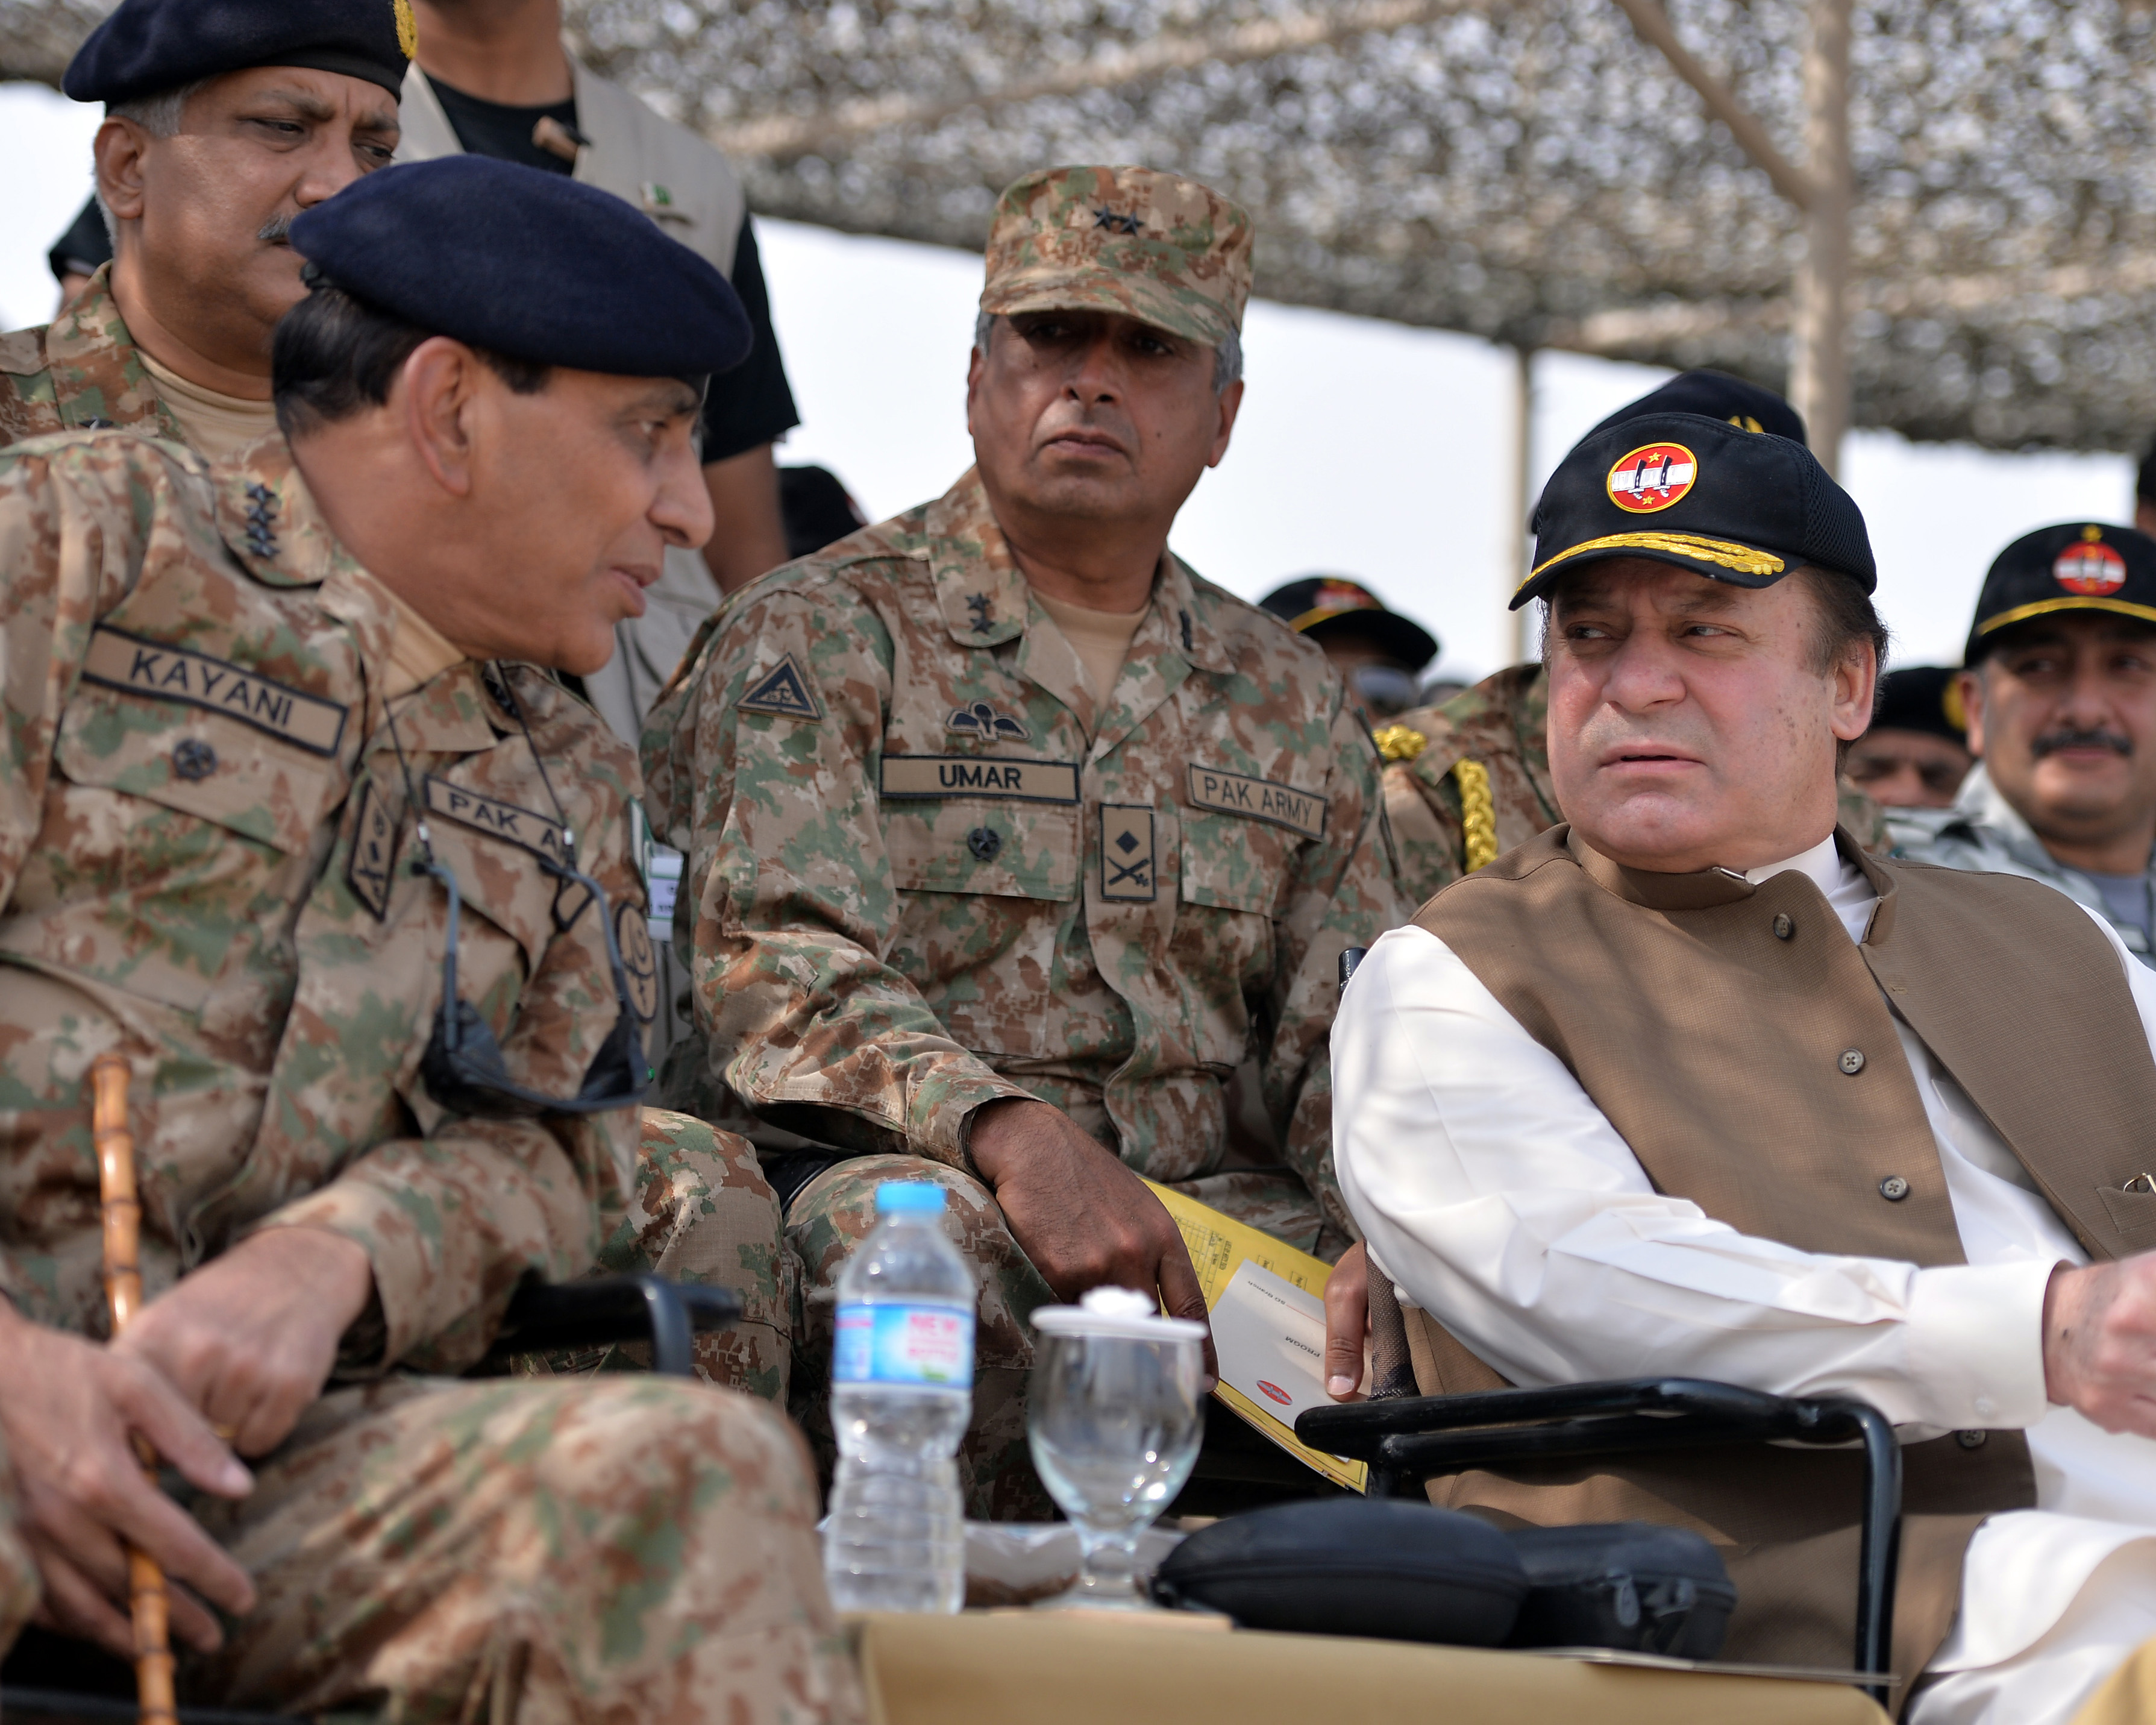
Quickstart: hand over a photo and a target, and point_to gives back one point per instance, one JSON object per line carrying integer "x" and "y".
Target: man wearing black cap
{"x": 2060, "y": 695}
{"x": 1379, "y": 653}
{"x": 221, "y": 125}
{"x": 1915, "y": 754}
{"x": 1470, "y": 778}
{"x": 1692, "y": 1085}
{"x": 293, "y": 820}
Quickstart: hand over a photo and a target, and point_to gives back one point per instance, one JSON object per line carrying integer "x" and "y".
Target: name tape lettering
{"x": 1258, "y": 799}
{"x": 119, "y": 661}
{"x": 909, "y": 776}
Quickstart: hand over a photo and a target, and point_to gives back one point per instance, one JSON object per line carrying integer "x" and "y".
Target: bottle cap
{"x": 910, "y": 1198}
{"x": 1116, "y": 1312}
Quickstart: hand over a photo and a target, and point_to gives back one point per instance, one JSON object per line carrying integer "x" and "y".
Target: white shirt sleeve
{"x": 1500, "y": 1199}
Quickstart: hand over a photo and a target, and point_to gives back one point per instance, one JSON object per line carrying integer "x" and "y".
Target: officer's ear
{"x": 117, "y": 153}
{"x": 438, "y": 392}
{"x": 1969, "y": 685}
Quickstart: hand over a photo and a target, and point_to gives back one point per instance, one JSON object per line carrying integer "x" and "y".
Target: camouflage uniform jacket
{"x": 928, "y": 873}
{"x": 204, "y": 849}
{"x": 81, "y": 372}
{"x": 1984, "y": 831}
{"x": 1488, "y": 747}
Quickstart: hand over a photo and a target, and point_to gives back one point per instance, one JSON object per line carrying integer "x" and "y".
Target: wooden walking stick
{"x": 109, "y": 1076}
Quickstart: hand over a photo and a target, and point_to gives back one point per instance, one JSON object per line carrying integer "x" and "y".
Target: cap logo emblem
{"x": 1342, "y": 595}
{"x": 407, "y": 28}
{"x": 1652, "y": 477}
{"x": 2091, "y": 568}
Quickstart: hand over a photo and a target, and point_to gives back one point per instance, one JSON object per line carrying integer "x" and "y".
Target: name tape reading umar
{"x": 1259, "y": 799}
{"x": 906, "y": 775}
{"x": 119, "y": 661}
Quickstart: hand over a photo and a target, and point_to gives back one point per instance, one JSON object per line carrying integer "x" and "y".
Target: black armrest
{"x": 546, "y": 1317}
{"x": 1416, "y": 1437}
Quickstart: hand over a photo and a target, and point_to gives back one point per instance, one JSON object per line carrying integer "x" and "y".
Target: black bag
{"x": 1351, "y": 1566}
{"x": 1632, "y": 1585}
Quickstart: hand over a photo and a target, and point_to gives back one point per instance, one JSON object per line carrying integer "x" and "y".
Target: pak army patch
{"x": 1127, "y": 853}
{"x": 1258, "y": 799}
{"x": 639, "y": 960}
{"x": 782, "y": 693}
{"x": 370, "y": 868}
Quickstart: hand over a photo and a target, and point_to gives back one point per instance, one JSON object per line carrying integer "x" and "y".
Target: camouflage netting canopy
{"x": 1525, "y": 170}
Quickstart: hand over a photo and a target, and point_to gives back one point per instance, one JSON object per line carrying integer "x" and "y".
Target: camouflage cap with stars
{"x": 2075, "y": 565}
{"x": 1702, "y": 495}
{"x": 1150, "y": 245}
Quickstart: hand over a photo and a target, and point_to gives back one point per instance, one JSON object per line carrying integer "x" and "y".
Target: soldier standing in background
{"x": 1469, "y": 780}
{"x": 493, "y": 78}
{"x": 1008, "y": 837}
{"x": 290, "y": 820}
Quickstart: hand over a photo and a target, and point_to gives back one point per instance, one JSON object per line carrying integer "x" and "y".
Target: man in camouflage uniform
{"x": 1468, "y": 780}
{"x": 269, "y": 726}
{"x": 1009, "y": 836}
{"x": 198, "y": 123}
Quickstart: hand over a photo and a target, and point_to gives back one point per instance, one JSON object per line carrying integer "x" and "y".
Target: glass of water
{"x": 1114, "y": 1423}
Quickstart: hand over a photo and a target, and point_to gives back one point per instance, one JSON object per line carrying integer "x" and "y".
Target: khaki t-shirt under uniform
{"x": 219, "y": 427}
{"x": 1101, "y": 639}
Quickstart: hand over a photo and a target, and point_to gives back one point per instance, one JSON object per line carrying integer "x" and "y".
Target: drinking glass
{"x": 1114, "y": 1423}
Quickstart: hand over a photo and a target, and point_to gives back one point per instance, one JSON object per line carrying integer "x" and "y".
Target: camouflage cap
{"x": 1152, "y": 245}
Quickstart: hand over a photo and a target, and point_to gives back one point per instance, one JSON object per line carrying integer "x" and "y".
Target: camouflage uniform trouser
{"x": 703, "y": 1213}
{"x": 514, "y": 1552}
{"x": 835, "y": 1211}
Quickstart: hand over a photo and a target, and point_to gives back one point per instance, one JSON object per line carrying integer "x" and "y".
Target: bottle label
{"x": 931, "y": 1345}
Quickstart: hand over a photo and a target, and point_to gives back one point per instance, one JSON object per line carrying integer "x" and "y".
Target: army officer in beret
{"x": 293, "y": 819}
{"x": 221, "y": 124}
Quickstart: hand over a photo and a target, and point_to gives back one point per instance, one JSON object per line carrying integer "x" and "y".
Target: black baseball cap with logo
{"x": 1735, "y": 505}
{"x": 1323, "y": 606}
{"x": 2075, "y": 565}
{"x": 1716, "y": 395}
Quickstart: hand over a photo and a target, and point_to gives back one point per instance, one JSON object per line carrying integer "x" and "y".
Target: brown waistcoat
{"x": 1717, "y": 1050}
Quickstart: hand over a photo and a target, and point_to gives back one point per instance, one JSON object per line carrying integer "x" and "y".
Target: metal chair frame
{"x": 1408, "y": 1439}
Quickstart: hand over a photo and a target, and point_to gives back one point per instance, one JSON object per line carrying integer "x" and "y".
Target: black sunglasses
{"x": 463, "y": 1066}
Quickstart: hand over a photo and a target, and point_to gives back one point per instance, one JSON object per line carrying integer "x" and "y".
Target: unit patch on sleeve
{"x": 119, "y": 661}
{"x": 1127, "y": 853}
{"x": 1259, "y": 799}
{"x": 784, "y": 692}
{"x": 912, "y": 776}
{"x": 373, "y": 857}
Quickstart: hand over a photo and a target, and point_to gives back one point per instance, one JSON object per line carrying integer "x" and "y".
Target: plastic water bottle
{"x": 901, "y": 1392}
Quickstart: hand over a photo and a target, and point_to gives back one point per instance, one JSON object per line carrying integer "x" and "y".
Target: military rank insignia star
{"x": 1115, "y": 221}
{"x": 784, "y": 692}
{"x": 983, "y": 606}
{"x": 978, "y": 719}
{"x": 261, "y": 514}
{"x": 1127, "y": 853}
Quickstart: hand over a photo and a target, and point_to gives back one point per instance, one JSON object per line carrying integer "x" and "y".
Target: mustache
{"x": 2074, "y": 737}
{"x": 276, "y": 231}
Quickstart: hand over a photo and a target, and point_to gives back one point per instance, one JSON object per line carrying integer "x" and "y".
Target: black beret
{"x": 1326, "y": 606}
{"x": 2076, "y": 566}
{"x": 145, "y": 48}
{"x": 1716, "y": 395}
{"x": 1734, "y": 505}
{"x": 529, "y": 264}
{"x": 1921, "y": 697}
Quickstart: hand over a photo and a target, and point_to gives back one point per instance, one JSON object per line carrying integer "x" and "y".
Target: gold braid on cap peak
{"x": 1742, "y": 558}
{"x": 1478, "y": 814}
